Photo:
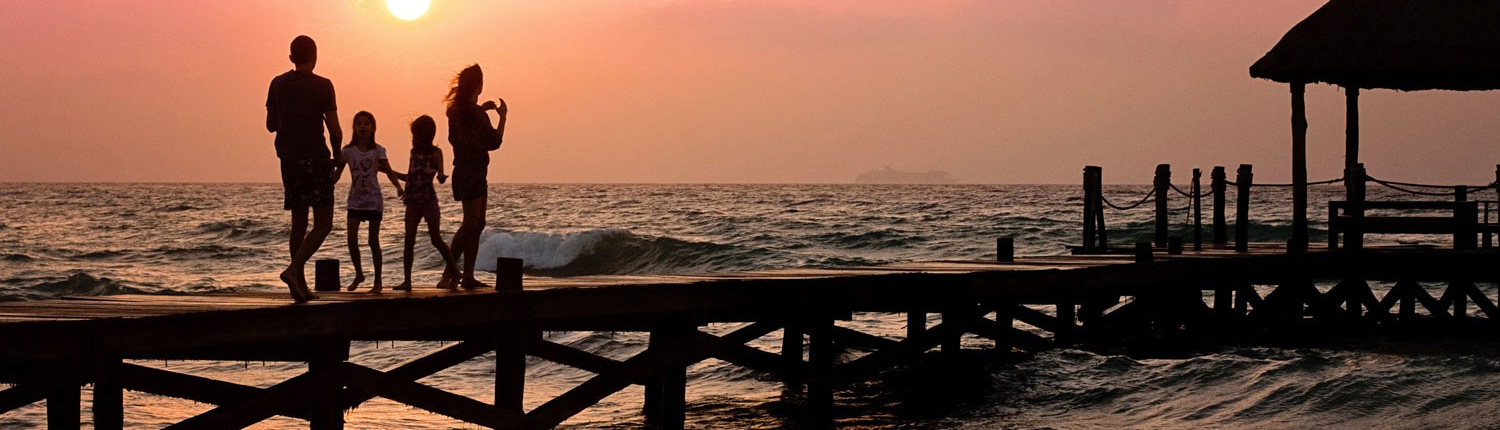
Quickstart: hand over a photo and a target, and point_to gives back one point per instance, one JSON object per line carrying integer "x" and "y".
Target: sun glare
{"x": 407, "y": 9}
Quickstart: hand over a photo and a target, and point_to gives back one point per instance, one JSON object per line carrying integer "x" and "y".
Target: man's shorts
{"x": 308, "y": 182}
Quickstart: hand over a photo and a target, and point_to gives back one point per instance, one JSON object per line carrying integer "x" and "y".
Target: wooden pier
{"x": 1114, "y": 302}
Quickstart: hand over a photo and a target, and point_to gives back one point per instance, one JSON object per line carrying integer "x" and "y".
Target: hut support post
{"x": 1351, "y": 127}
{"x": 1221, "y": 231}
{"x": 1299, "y": 169}
{"x": 1243, "y": 179}
{"x": 1162, "y": 182}
{"x": 1197, "y": 210}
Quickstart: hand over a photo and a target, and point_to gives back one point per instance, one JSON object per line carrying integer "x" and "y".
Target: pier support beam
{"x": 62, "y": 405}
{"x": 328, "y": 405}
{"x": 666, "y": 391}
{"x": 109, "y": 397}
{"x": 820, "y": 358}
{"x": 510, "y": 366}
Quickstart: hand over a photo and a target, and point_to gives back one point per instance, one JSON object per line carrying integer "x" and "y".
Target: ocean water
{"x": 100, "y": 239}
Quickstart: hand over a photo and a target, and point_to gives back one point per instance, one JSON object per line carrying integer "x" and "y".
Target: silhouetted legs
{"x": 435, "y": 233}
{"x": 466, "y": 241}
{"x": 299, "y": 230}
{"x": 375, "y": 255}
{"x": 295, "y": 275}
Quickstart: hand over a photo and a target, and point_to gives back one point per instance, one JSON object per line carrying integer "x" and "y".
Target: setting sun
{"x": 407, "y": 9}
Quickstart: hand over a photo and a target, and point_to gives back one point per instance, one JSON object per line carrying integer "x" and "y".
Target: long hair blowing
{"x": 464, "y": 86}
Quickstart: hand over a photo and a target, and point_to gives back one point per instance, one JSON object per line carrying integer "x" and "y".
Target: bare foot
{"x": 474, "y": 284}
{"x": 375, "y": 289}
{"x": 291, "y": 285}
{"x": 302, "y": 286}
{"x": 359, "y": 277}
{"x": 446, "y": 283}
{"x": 405, "y": 286}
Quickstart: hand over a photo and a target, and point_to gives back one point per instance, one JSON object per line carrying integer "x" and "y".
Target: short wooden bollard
{"x": 1174, "y": 245}
{"x": 1242, "y": 209}
{"x": 1005, "y": 250}
{"x": 1143, "y": 252}
{"x": 508, "y": 274}
{"x": 326, "y": 275}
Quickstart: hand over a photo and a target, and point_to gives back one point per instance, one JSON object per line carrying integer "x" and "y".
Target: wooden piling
{"x": 1162, "y": 183}
{"x": 1197, "y": 210}
{"x": 1219, "y": 183}
{"x": 109, "y": 397}
{"x": 510, "y": 366}
{"x": 791, "y": 349}
{"x": 1067, "y": 317}
{"x": 327, "y": 407}
{"x": 508, "y": 274}
{"x": 326, "y": 275}
{"x": 1174, "y": 245}
{"x": 1299, "y": 169}
{"x": 62, "y": 404}
{"x": 1243, "y": 178}
{"x": 820, "y": 358}
{"x": 666, "y": 391}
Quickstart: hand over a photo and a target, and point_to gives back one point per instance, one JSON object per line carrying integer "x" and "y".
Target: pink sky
{"x": 997, "y": 91}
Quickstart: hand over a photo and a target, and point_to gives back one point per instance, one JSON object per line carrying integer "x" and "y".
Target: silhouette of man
{"x": 298, "y": 106}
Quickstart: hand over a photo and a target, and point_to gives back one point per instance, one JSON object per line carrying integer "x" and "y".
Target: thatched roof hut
{"x": 1404, "y": 45}
{"x": 1397, "y": 44}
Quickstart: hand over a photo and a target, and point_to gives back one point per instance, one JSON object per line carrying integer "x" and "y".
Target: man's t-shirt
{"x": 297, "y": 102}
{"x": 364, "y": 186}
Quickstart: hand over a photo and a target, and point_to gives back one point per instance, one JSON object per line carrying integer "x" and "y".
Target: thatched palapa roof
{"x": 1397, "y": 44}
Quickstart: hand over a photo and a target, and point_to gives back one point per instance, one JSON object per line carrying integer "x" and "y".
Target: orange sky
{"x": 993, "y": 91}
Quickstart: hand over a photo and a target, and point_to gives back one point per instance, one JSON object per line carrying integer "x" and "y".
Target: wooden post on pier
{"x": 1464, "y": 235}
{"x": 1219, "y": 184}
{"x": 1162, "y": 182}
{"x": 326, "y": 275}
{"x": 1243, "y": 179}
{"x": 1197, "y": 210}
{"x": 109, "y": 396}
{"x": 1005, "y": 250}
{"x": 508, "y": 274}
{"x": 1299, "y": 170}
{"x": 1354, "y": 208}
{"x": 1091, "y": 207}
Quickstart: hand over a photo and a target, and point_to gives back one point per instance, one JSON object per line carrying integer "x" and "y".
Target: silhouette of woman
{"x": 472, "y": 138}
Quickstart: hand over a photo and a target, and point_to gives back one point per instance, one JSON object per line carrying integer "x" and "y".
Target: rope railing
{"x": 1324, "y": 182}
{"x": 1190, "y": 195}
{"x": 1403, "y": 187}
{"x": 1129, "y": 206}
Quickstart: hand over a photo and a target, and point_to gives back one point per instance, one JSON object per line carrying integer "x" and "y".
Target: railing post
{"x": 1101, "y": 230}
{"x": 1162, "y": 182}
{"x": 1219, "y": 184}
{"x": 1089, "y": 201}
{"x": 1197, "y": 210}
{"x": 1354, "y": 206}
{"x": 1242, "y": 209}
{"x": 1465, "y": 218}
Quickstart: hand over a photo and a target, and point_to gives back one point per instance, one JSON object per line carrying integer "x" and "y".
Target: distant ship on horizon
{"x": 893, "y": 176}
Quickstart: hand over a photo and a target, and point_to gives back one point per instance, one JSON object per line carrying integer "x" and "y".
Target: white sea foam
{"x": 540, "y": 250}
